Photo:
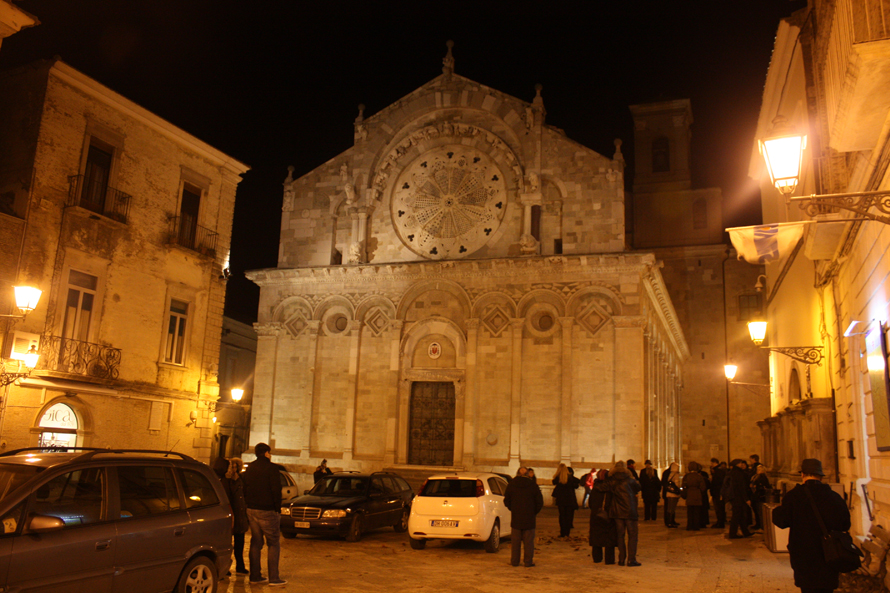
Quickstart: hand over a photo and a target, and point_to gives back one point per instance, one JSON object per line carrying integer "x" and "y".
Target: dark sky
{"x": 276, "y": 82}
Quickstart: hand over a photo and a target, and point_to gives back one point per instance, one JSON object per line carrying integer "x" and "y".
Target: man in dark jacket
{"x": 524, "y": 499}
{"x": 623, "y": 509}
{"x": 262, "y": 493}
{"x": 738, "y": 498}
{"x": 718, "y": 473}
{"x": 805, "y": 539}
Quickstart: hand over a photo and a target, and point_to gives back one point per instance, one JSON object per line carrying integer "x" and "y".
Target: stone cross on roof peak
{"x": 448, "y": 60}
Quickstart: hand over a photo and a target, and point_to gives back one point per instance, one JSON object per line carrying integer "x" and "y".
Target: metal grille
{"x": 305, "y": 513}
{"x": 431, "y": 436}
{"x": 67, "y": 355}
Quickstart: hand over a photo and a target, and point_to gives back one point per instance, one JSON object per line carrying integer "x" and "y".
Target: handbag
{"x": 673, "y": 488}
{"x": 841, "y": 554}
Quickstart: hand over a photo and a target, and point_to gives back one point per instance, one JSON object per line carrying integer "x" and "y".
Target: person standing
{"x": 670, "y": 490}
{"x": 587, "y": 483}
{"x": 229, "y": 473}
{"x": 811, "y": 573}
{"x": 262, "y": 495}
{"x": 705, "y": 503}
{"x": 718, "y": 473}
{"x": 603, "y": 535}
{"x": 321, "y": 471}
{"x": 564, "y": 486}
{"x": 760, "y": 485}
{"x": 632, "y": 468}
{"x": 524, "y": 499}
{"x": 695, "y": 490}
{"x": 623, "y": 509}
{"x": 737, "y": 493}
{"x": 650, "y": 487}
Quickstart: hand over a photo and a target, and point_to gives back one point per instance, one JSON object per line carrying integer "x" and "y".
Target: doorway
{"x": 431, "y": 428}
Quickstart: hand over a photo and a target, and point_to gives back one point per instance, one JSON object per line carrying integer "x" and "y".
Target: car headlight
{"x": 285, "y": 511}
{"x": 333, "y": 514}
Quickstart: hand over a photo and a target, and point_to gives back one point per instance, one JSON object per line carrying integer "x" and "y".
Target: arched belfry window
{"x": 59, "y": 426}
{"x": 794, "y": 392}
{"x": 661, "y": 155}
{"x": 536, "y": 222}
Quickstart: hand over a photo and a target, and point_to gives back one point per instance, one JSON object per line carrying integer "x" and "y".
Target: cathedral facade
{"x": 454, "y": 291}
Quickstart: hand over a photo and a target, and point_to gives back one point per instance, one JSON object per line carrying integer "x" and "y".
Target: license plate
{"x": 301, "y": 524}
{"x": 443, "y": 523}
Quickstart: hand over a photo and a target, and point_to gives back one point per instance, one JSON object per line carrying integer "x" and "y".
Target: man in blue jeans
{"x": 262, "y": 493}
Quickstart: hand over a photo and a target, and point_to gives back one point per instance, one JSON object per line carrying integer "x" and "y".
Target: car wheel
{"x": 198, "y": 576}
{"x": 417, "y": 544}
{"x": 355, "y": 529}
{"x": 402, "y": 525}
{"x": 493, "y": 543}
{"x": 288, "y": 534}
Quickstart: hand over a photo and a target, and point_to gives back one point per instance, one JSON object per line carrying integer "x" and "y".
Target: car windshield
{"x": 340, "y": 486}
{"x": 450, "y": 487}
{"x": 13, "y": 475}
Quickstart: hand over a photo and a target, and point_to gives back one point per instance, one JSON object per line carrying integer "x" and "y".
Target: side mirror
{"x": 43, "y": 523}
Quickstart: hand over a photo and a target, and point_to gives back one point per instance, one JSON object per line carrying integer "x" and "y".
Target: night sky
{"x": 277, "y": 82}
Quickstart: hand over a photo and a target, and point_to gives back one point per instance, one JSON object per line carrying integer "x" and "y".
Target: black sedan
{"x": 348, "y": 504}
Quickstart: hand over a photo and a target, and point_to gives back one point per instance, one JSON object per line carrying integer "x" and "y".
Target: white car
{"x": 460, "y": 505}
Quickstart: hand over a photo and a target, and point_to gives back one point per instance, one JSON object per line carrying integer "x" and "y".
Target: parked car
{"x": 460, "y": 505}
{"x": 111, "y": 519}
{"x": 349, "y": 504}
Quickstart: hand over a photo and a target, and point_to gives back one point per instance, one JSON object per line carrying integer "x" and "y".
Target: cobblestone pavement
{"x": 673, "y": 560}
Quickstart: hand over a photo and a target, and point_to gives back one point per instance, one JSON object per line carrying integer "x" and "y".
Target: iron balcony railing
{"x": 186, "y": 233}
{"x": 66, "y": 355}
{"x": 99, "y": 198}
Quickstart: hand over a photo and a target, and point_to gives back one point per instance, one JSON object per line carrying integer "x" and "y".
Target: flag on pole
{"x": 766, "y": 243}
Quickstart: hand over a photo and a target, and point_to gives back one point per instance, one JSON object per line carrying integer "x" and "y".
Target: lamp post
{"x": 26, "y": 299}
{"x": 782, "y": 152}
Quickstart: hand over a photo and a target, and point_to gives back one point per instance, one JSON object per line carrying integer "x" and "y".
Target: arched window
{"x": 661, "y": 156}
{"x": 794, "y": 386}
{"x": 536, "y": 222}
{"x": 59, "y": 424}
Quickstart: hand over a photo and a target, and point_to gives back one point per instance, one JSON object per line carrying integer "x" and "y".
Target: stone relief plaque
{"x": 448, "y": 202}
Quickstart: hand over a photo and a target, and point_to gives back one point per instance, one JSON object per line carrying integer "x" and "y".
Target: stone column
{"x": 353, "y": 330}
{"x": 309, "y": 414}
{"x": 470, "y": 406}
{"x": 566, "y": 407}
{"x": 392, "y": 417}
{"x": 516, "y": 326}
{"x": 629, "y": 394}
{"x": 264, "y": 382}
{"x": 528, "y": 244}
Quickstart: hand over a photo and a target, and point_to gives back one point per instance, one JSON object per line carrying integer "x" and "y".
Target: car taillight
{"x": 480, "y": 489}
{"x": 420, "y": 492}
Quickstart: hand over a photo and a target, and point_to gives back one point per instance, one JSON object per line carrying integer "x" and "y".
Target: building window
{"x": 700, "y": 214}
{"x": 750, "y": 307}
{"x": 59, "y": 424}
{"x": 79, "y": 306}
{"x": 96, "y": 176}
{"x": 174, "y": 351}
{"x": 557, "y": 246}
{"x": 188, "y": 212}
{"x": 536, "y": 222}
{"x": 661, "y": 156}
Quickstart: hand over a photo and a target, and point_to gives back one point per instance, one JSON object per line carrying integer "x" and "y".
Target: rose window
{"x": 448, "y": 202}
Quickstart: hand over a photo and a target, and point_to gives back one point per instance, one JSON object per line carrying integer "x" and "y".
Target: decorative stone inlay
{"x": 297, "y": 324}
{"x": 377, "y": 321}
{"x": 542, "y": 320}
{"x": 448, "y": 202}
{"x": 496, "y": 320}
{"x": 593, "y": 318}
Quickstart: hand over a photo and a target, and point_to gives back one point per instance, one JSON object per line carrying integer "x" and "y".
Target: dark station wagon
{"x": 349, "y": 504}
{"x": 102, "y": 520}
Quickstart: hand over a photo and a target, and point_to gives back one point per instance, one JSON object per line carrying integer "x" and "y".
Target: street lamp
{"x": 730, "y": 370}
{"x": 783, "y": 150}
{"x": 237, "y": 394}
{"x": 26, "y": 299}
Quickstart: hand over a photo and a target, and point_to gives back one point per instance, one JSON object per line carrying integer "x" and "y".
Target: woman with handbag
{"x": 694, "y": 492}
{"x": 564, "y": 486}
{"x": 812, "y": 510}
{"x": 671, "y": 482}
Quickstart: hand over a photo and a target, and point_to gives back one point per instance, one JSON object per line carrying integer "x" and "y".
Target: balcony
{"x": 101, "y": 199}
{"x": 66, "y": 355}
{"x": 185, "y": 233}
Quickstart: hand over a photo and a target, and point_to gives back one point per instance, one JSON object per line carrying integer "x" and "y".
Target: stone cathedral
{"x": 453, "y": 291}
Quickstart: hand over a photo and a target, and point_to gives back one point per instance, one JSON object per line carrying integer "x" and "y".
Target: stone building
{"x": 827, "y": 295}
{"x": 237, "y": 361}
{"x": 123, "y": 221}
{"x": 453, "y": 291}
{"x": 713, "y": 292}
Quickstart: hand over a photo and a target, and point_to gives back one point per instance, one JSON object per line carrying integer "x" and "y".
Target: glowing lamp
{"x": 26, "y": 298}
{"x": 783, "y": 153}
{"x": 31, "y": 357}
{"x": 730, "y": 370}
{"x": 757, "y": 329}
{"x": 237, "y": 394}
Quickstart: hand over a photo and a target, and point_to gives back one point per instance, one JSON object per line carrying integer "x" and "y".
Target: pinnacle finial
{"x": 448, "y": 60}
{"x": 361, "y": 113}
